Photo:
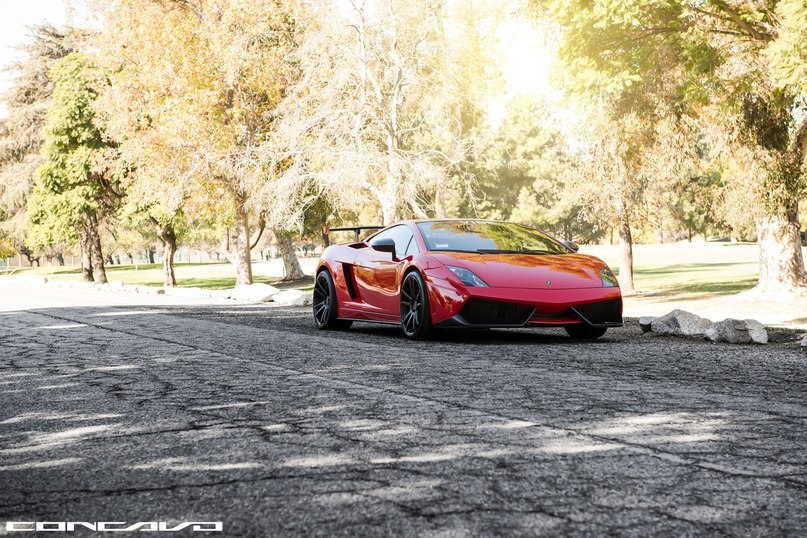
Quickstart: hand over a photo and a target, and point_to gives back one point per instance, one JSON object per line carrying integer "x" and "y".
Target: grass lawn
{"x": 688, "y": 271}
{"x": 213, "y": 276}
{"x": 695, "y": 281}
{"x": 681, "y": 271}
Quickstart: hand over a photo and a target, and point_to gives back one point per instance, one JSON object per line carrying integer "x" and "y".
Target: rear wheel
{"x": 585, "y": 332}
{"x": 325, "y": 304}
{"x": 416, "y": 320}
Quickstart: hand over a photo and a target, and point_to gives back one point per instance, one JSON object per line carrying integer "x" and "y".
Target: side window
{"x": 402, "y": 235}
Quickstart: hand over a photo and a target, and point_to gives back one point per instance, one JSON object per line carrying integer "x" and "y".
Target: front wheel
{"x": 585, "y": 332}
{"x": 325, "y": 304}
{"x": 416, "y": 320}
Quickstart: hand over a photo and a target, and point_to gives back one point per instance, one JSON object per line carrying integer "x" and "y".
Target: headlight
{"x": 608, "y": 278}
{"x": 467, "y": 277}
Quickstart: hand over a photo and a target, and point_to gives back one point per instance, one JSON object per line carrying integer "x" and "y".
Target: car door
{"x": 378, "y": 274}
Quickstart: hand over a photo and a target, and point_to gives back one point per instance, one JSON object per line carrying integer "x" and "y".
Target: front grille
{"x": 601, "y": 313}
{"x": 478, "y": 312}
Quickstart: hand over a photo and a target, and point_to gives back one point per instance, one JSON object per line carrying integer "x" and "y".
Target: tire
{"x": 324, "y": 309}
{"x": 416, "y": 318}
{"x": 585, "y": 332}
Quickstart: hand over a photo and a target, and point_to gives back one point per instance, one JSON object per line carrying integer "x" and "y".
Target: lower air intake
{"x": 478, "y": 312}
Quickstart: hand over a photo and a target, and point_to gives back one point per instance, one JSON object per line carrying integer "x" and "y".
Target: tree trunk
{"x": 389, "y": 207}
{"x": 150, "y": 254}
{"x": 169, "y": 237}
{"x": 781, "y": 263}
{"x": 439, "y": 202}
{"x": 291, "y": 265}
{"x": 60, "y": 258}
{"x": 626, "y": 260}
{"x": 86, "y": 254}
{"x": 96, "y": 254}
{"x": 240, "y": 255}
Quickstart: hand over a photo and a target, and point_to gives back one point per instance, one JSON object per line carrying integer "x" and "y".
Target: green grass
{"x": 696, "y": 281}
{"x": 683, "y": 281}
{"x": 212, "y": 276}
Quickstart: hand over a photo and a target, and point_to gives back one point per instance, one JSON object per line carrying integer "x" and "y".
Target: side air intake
{"x": 601, "y": 314}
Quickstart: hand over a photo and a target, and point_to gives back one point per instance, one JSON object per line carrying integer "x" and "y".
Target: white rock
{"x": 804, "y": 341}
{"x": 33, "y": 280}
{"x": 293, "y": 298}
{"x": 259, "y": 293}
{"x": 736, "y": 331}
{"x": 758, "y": 333}
{"x": 185, "y": 292}
{"x": 680, "y": 323}
{"x": 221, "y": 294}
{"x": 645, "y": 322}
{"x": 729, "y": 330}
{"x": 150, "y": 290}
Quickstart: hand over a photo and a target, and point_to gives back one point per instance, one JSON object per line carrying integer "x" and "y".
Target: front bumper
{"x": 453, "y": 306}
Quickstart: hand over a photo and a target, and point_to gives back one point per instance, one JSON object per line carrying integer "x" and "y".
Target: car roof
{"x": 418, "y": 221}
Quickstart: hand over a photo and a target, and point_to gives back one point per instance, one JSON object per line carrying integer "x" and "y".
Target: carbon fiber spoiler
{"x": 355, "y": 229}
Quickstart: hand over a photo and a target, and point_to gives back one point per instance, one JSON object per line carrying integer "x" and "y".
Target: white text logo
{"x": 112, "y": 526}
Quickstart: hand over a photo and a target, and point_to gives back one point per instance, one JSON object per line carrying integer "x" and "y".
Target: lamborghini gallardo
{"x": 429, "y": 274}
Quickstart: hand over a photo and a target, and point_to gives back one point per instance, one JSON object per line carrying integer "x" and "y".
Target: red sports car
{"x": 427, "y": 274}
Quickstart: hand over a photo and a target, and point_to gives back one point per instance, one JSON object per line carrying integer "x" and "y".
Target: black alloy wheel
{"x": 416, "y": 319}
{"x": 325, "y": 315}
{"x": 585, "y": 332}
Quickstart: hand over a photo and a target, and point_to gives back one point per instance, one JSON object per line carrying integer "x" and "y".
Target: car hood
{"x": 535, "y": 271}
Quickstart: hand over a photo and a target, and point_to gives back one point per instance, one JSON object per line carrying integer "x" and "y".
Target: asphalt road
{"x": 247, "y": 415}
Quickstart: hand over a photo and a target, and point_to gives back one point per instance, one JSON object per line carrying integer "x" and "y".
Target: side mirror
{"x": 571, "y": 245}
{"x": 384, "y": 245}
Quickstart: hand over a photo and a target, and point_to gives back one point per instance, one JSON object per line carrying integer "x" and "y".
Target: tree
{"x": 362, "y": 97}
{"x": 205, "y": 113}
{"x": 74, "y": 185}
{"x": 735, "y": 64}
{"x": 154, "y": 217}
{"x": 525, "y": 170}
{"x": 693, "y": 204}
{"x": 22, "y": 131}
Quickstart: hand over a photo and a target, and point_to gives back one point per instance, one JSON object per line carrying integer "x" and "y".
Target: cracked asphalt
{"x": 136, "y": 409}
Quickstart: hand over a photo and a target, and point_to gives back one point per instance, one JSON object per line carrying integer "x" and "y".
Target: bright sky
{"x": 17, "y": 16}
{"x": 527, "y": 63}
{"x": 526, "y": 57}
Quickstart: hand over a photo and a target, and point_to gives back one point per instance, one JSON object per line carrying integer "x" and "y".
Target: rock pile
{"x": 680, "y": 323}
{"x": 253, "y": 293}
{"x": 293, "y": 298}
{"x": 737, "y": 331}
{"x": 683, "y": 323}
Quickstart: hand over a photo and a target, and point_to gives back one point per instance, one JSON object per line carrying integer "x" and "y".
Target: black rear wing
{"x": 355, "y": 229}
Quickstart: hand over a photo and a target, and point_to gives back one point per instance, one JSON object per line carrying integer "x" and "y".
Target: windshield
{"x": 487, "y": 237}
